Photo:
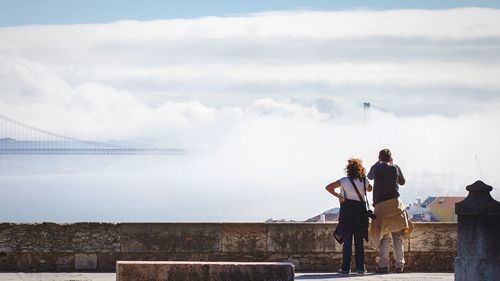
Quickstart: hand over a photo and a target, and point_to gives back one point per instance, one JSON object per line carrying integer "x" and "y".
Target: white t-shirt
{"x": 348, "y": 190}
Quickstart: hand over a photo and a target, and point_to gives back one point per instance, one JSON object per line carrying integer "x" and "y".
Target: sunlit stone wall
{"x": 97, "y": 246}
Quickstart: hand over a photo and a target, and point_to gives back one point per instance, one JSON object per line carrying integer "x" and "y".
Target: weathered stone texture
{"x": 106, "y": 262}
{"x": 51, "y": 237}
{"x": 434, "y": 237}
{"x": 300, "y": 238}
{"x": 85, "y": 261}
{"x": 89, "y": 237}
{"x": 478, "y": 248}
{"x": 210, "y": 271}
{"x": 171, "y": 237}
{"x": 8, "y": 261}
{"x": 244, "y": 237}
{"x": 309, "y": 246}
{"x": 65, "y": 262}
{"x": 34, "y": 238}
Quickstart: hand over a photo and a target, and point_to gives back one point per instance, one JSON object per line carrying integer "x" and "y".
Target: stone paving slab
{"x": 299, "y": 276}
{"x": 376, "y": 277}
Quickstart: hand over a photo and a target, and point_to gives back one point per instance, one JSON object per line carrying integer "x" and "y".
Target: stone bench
{"x": 206, "y": 271}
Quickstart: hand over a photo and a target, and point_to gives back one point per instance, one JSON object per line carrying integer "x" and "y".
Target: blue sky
{"x": 25, "y": 12}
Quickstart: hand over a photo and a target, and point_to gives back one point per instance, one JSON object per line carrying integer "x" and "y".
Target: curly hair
{"x": 355, "y": 169}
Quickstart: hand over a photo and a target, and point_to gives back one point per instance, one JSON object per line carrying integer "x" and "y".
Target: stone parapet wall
{"x": 97, "y": 246}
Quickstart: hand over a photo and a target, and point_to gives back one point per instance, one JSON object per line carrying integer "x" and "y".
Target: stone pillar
{"x": 478, "y": 246}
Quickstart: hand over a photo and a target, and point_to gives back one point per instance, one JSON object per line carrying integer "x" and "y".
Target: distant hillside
{"x": 330, "y": 215}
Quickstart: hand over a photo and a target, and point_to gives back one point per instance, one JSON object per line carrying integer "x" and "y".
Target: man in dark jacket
{"x": 387, "y": 178}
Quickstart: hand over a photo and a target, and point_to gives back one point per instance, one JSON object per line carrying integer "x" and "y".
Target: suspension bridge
{"x": 20, "y": 138}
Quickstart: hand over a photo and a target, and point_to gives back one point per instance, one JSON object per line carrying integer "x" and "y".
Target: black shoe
{"x": 344, "y": 272}
{"x": 400, "y": 270}
{"x": 382, "y": 270}
{"x": 361, "y": 272}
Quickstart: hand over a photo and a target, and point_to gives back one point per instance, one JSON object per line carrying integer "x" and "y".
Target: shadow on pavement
{"x": 320, "y": 276}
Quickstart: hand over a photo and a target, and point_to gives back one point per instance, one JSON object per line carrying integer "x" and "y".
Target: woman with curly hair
{"x": 353, "y": 218}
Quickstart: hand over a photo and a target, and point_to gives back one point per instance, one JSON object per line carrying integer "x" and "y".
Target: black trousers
{"x": 347, "y": 251}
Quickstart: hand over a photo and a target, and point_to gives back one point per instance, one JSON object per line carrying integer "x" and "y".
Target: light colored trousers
{"x": 398, "y": 250}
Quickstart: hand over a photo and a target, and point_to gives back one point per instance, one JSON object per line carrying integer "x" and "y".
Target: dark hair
{"x": 385, "y": 155}
{"x": 355, "y": 169}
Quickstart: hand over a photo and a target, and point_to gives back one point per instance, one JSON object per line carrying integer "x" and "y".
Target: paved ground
{"x": 299, "y": 276}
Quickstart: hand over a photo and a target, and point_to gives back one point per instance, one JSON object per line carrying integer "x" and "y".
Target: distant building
{"x": 272, "y": 220}
{"x": 330, "y": 215}
{"x": 419, "y": 212}
{"x": 444, "y": 208}
{"x": 428, "y": 217}
{"x": 434, "y": 209}
{"x": 427, "y": 201}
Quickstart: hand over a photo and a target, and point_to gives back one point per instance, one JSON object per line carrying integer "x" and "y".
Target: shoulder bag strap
{"x": 356, "y": 189}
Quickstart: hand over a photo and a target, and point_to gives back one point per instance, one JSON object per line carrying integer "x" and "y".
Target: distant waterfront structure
{"x": 322, "y": 217}
{"x": 20, "y": 138}
{"x": 366, "y": 111}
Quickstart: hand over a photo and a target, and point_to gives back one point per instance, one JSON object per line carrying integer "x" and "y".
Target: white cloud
{"x": 304, "y": 54}
{"x": 272, "y": 101}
